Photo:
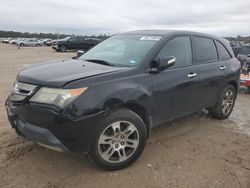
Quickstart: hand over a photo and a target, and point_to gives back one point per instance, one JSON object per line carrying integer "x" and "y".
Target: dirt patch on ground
{"x": 195, "y": 151}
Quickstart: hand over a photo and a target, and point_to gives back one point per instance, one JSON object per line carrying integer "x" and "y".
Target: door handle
{"x": 223, "y": 67}
{"x": 191, "y": 75}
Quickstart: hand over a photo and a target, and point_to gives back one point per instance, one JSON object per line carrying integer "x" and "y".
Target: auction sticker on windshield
{"x": 155, "y": 38}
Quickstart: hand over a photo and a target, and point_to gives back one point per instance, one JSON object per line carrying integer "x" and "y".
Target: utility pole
{"x": 58, "y": 33}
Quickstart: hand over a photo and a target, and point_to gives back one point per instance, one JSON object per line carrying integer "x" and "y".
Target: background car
{"x": 45, "y": 41}
{"x": 239, "y": 47}
{"x": 7, "y": 40}
{"x": 30, "y": 42}
{"x": 245, "y": 72}
{"x": 13, "y": 41}
{"x": 75, "y": 42}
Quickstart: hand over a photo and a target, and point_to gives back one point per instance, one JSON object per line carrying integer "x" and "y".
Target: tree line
{"x": 239, "y": 38}
{"x": 5, "y": 34}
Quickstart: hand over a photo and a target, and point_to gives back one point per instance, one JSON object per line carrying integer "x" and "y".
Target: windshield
{"x": 121, "y": 50}
{"x": 66, "y": 38}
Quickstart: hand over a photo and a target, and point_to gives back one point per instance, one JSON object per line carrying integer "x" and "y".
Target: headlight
{"x": 57, "y": 97}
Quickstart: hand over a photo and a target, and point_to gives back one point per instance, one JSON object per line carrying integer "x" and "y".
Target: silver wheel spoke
{"x": 122, "y": 154}
{"x": 224, "y": 102}
{"x": 116, "y": 127}
{"x": 225, "y": 110}
{"x": 108, "y": 153}
{"x": 228, "y": 108}
{"x": 131, "y": 143}
{"x": 104, "y": 139}
{"x": 129, "y": 130}
{"x": 227, "y": 102}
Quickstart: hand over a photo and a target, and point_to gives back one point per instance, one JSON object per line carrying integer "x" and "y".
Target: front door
{"x": 175, "y": 89}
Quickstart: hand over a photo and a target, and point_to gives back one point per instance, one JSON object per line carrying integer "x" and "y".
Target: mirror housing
{"x": 165, "y": 62}
{"x": 78, "y": 54}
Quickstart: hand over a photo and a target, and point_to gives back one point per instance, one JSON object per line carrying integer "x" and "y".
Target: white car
{"x": 13, "y": 41}
{"x": 30, "y": 42}
{"x": 7, "y": 40}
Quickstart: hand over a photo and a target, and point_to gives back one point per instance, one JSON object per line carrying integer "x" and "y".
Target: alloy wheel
{"x": 118, "y": 142}
{"x": 228, "y": 101}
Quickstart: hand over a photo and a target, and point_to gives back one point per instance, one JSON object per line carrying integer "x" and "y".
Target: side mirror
{"x": 78, "y": 54}
{"x": 165, "y": 62}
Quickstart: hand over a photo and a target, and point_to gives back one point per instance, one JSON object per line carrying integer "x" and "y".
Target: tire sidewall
{"x": 119, "y": 115}
{"x": 62, "y": 48}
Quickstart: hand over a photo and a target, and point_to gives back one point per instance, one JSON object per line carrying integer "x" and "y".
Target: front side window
{"x": 122, "y": 50}
{"x": 205, "y": 50}
{"x": 180, "y": 48}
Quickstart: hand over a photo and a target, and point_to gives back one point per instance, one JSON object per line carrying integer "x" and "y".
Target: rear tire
{"x": 62, "y": 48}
{"x": 119, "y": 141}
{"x": 224, "y": 107}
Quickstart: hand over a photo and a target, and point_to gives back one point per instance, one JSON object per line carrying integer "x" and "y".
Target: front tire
{"x": 119, "y": 141}
{"x": 62, "y": 48}
{"x": 224, "y": 107}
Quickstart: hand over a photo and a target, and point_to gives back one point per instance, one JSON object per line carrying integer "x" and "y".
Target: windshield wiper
{"x": 99, "y": 61}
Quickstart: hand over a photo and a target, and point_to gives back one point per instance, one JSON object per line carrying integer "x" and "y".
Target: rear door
{"x": 29, "y": 42}
{"x": 211, "y": 70}
{"x": 74, "y": 43}
{"x": 175, "y": 89}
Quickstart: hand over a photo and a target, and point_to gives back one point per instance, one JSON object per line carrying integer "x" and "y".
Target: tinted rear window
{"x": 223, "y": 53}
{"x": 205, "y": 50}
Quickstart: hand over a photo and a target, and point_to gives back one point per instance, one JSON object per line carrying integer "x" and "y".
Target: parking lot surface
{"x": 195, "y": 151}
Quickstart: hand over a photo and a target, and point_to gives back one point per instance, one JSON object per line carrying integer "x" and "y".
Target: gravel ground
{"x": 195, "y": 151}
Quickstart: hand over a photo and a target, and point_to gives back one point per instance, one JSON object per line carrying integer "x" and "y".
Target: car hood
{"x": 59, "y": 73}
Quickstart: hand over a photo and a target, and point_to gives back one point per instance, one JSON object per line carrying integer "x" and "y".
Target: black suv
{"x": 106, "y": 102}
{"x": 75, "y": 42}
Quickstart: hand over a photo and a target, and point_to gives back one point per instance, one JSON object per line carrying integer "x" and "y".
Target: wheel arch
{"x": 234, "y": 84}
{"x": 139, "y": 109}
{"x": 142, "y": 113}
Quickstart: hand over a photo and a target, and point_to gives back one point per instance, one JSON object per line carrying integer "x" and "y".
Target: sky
{"x": 219, "y": 17}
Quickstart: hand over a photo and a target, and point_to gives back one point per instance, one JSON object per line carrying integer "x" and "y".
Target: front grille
{"x": 21, "y": 90}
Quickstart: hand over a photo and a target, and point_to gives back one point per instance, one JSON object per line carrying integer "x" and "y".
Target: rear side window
{"x": 205, "y": 50}
{"x": 180, "y": 48}
{"x": 223, "y": 53}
